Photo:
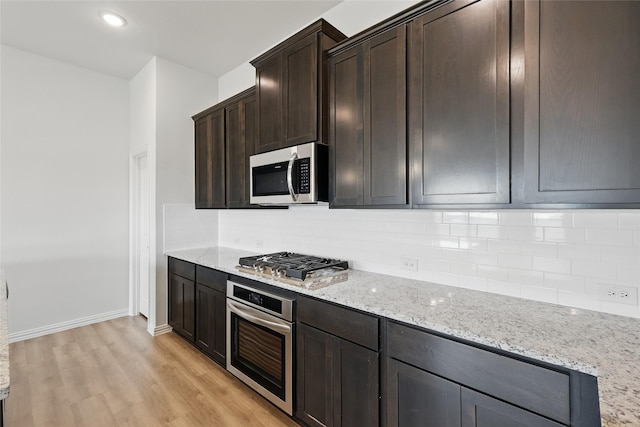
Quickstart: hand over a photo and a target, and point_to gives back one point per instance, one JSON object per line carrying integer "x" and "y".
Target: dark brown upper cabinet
{"x": 459, "y": 104}
{"x": 210, "y": 159}
{"x": 290, "y": 88}
{"x": 581, "y": 102}
{"x": 225, "y": 136}
{"x": 367, "y": 126}
{"x": 241, "y": 138}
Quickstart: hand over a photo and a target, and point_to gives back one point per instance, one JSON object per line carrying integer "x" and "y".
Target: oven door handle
{"x": 294, "y": 157}
{"x": 241, "y": 311}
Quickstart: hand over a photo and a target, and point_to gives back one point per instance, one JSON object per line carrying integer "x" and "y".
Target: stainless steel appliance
{"x": 260, "y": 332}
{"x": 298, "y": 174}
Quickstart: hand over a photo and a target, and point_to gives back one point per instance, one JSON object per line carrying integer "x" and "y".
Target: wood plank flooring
{"x": 115, "y": 374}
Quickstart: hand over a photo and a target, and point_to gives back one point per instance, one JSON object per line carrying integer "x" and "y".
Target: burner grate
{"x": 291, "y": 264}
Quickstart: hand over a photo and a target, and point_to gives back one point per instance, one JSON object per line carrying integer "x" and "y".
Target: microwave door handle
{"x": 241, "y": 311}
{"x": 294, "y": 157}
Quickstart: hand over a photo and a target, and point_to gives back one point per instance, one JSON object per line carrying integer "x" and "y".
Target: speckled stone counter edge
{"x": 4, "y": 341}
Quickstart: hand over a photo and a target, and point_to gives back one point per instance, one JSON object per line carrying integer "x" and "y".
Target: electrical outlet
{"x": 617, "y": 293}
{"x": 410, "y": 264}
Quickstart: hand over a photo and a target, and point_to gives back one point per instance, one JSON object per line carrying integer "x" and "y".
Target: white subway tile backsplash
{"x": 565, "y": 282}
{"x": 437, "y": 229}
{"x": 473, "y": 282}
{"x": 609, "y": 237}
{"x": 503, "y": 246}
{"x": 526, "y": 234}
{"x": 532, "y": 254}
{"x": 503, "y": 287}
{"x": 493, "y": 231}
{"x": 475, "y": 244}
{"x": 595, "y": 219}
{"x": 553, "y": 219}
{"x": 464, "y": 230}
{"x": 599, "y": 270}
{"x": 483, "y": 258}
{"x": 463, "y": 268}
{"x": 578, "y": 299}
{"x": 531, "y": 277}
{"x": 539, "y": 249}
{"x": 446, "y": 242}
{"x": 446, "y": 278}
{"x": 455, "y": 255}
{"x": 493, "y": 272}
{"x": 488, "y": 218}
{"x": 538, "y": 293}
{"x": 516, "y": 218}
{"x": 584, "y": 252}
{"x": 564, "y": 235}
{"x": 621, "y": 255}
{"x": 552, "y": 265}
{"x": 515, "y": 261}
{"x": 629, "y": 272}
{"x": 455, "y": 217}
{"x": 629, "y": 220}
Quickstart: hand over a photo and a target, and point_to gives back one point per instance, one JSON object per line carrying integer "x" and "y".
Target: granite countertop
{"x": 604, "y": 345}
{"x": 4, "y": 341}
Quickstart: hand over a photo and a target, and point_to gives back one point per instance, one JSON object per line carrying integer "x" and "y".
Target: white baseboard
{"x": 159, "y": 330}
{"x": 63, "y": 326}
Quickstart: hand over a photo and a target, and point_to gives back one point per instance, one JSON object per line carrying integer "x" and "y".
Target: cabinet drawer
{"x": 345, "y": 323}
{"x": 537, "y": 389}
{"x": 182, "y": 268}
{"x": 212, "y": 278}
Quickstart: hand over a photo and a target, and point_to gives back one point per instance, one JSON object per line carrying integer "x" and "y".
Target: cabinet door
{"x": 459, "y": 98}
{"x": 270, "y": 112}
{"x": 357, "y": 397}
{"x": 479, "y": 410}
{"x": 210, "y": 160}
{"x": 337, "y": 380}
{"x": 367, "y": 127}
{"x": 240, "y": 130}
{"x": 315, "y": 375}
{"x": 182, "y": 306}
{"x": 300, "y": 89}
{"x": 385, "y": 148}
{"x": 418, "y": 398}
{"x": 346, "y": 136}
{"x": 582, "y": 99}
{"x": 211, "y": 322}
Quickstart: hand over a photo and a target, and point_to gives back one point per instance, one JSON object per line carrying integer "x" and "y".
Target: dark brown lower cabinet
{"x": 418, "y": 398}
{"x": 479, "y": 410}
{"x": 211, "y": 322}
{"x": 197, "y": 306}
{"x": 182, "y": 306}
{"x": 432, "y": 380}
{"x": 337, "y": 380}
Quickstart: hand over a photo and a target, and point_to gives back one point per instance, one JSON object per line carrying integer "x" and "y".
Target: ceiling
{"x": 207, "y": 35}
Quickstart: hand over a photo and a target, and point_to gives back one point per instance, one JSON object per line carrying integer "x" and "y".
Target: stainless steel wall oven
{"x": 260, "y": 331}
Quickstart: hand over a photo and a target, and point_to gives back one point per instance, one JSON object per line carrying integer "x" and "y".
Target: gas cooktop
{"x": 289, "y": 264}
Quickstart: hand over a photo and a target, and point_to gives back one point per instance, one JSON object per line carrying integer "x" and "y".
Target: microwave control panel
{"x": 304, "y": 176}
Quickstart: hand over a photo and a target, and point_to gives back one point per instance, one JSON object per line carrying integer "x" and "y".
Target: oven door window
{"x": 260, "y": 354}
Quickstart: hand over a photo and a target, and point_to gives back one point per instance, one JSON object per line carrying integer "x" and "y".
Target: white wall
{"x": 164, "y": 96}
{"x": 64, "y": 192}
{"x": 349, "y": 16}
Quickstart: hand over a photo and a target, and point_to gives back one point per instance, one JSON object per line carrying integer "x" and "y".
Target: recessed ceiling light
{"x": 112, "y": 19}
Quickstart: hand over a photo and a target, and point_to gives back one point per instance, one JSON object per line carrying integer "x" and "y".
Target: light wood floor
{"x": 115, "y": 374}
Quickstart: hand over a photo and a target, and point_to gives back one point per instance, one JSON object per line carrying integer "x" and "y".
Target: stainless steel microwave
{"x": 291, "y": 175}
